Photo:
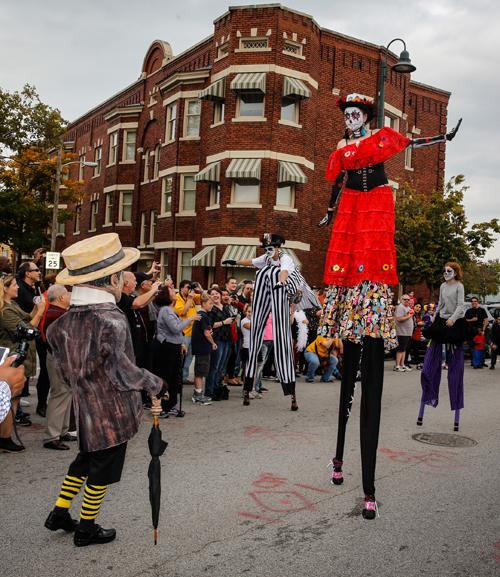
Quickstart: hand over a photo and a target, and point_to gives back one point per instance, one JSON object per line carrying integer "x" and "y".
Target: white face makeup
{"x": 354, "y": 118}
{"x": 448, "y": 273}
{"x": 269, "y": 250}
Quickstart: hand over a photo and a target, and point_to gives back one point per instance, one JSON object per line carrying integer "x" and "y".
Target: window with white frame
{"x": 250, "y": 103}
{"x": 78, "y": 218}
{"x": 391, "y": 121}
{"x": 164, "y": 265}
{"x": 147, "y": 160}
{"x": 98, "y": 159}
{"x": 144, "y": 228}
{"x": 152, "y": 227}
{"x": 245, "y": 190}
{"x": 254, "y": 44}
{"x": 290, "y": 109}
{"x": 285, "y": 195}
{"x": 171, "y": 121}
{"x": 192, "y": 112}
{"x": 94, "y": 209}
{"x": 108, "y": 214}
{"x": 156, "y": 171}
{"x": 214, "y": 193}
{"x": 293, "y": 48}
{"x": 184, "y": 268}
{"x": 188, "y": 193}
{"x": 113, "y": 147}
{"x": 126, "y": 207}
{"x": 129, "y": 139}
{"x": 61, "y": 229}
{"x": 219, "y": 108}
{"x": 223, "y": 50}
{"x": 166, "y": 197}
{"x": 81, "y": 167}
{"x": 408, "y": 165}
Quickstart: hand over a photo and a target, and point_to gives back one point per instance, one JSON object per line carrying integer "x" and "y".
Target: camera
{"x": 21, "y": 335}
{"x": 193, "y": 285}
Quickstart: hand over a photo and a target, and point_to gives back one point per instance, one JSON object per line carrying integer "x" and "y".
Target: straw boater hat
{"x": 95, "y": 258}
{"x": 357, "y": 101}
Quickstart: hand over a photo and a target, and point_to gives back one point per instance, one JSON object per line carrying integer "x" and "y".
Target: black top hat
{"x": 359, "y": 102}
{"x": 271, "y": 240}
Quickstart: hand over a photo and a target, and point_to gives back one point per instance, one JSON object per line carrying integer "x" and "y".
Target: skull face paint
{"x": 269, "y": 250}
{"x": 354, "y": 119}
{"x": 448, "y": 273}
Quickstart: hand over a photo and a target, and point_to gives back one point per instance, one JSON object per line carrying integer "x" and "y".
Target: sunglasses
{"x": 34, "y": 270}
{"x": 405, "y": 299}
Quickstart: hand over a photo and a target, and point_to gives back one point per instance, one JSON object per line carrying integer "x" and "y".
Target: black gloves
{"x": 230, "y": 262}
{"x": 327, "y": 219}
{"x": 452, "y": 133}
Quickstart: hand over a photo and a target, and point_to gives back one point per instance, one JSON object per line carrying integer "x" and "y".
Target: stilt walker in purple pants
{"x": 450, "y": 308}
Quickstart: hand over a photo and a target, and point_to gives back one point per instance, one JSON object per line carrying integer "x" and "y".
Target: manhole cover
{"x": 444, "y": 440}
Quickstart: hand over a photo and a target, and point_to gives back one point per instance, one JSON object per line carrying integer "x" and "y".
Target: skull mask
{"x": 269, "y": 250}
{"x": 448, "y": 273}
{"x": 354, "y": 119}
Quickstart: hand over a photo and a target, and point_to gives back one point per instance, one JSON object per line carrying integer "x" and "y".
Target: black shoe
{"x": 55, "y": 522}
{"x": 41, "y": 410}
{"x": 246, "y": 401}
{"x": 225, "y": 393}
{"x": 22, "y": 421}
{"x": 263, "y": 390}
{"x": 492, "y": 368}
{"x": 371, "y": 508}
{"x": 56, "y": 445}
{"x": 8, "y": 446}
{"x": 216, "y": 398}
{"x": 99, "y": 535}
{"x": 294, "y": 406}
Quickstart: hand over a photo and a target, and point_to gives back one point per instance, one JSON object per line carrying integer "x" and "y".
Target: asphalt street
{"x": 246, "y": 491}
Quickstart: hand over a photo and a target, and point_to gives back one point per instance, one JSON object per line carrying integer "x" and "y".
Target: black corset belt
{"x": 365, "y": 179}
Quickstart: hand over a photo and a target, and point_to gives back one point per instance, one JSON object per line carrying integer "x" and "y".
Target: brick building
{"x": 209, "y": 149}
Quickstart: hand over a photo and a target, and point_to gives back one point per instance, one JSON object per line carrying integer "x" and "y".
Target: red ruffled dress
{"x": 361, "y": 259}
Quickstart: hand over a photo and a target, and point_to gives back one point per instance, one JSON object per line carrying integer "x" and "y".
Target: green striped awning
{"x": 294, "y": 87}
{"x": 210, "y": 173}
{"x": 216, "y": 91}
{"x": 238, "y": 252}
{"x": 290, "y": 252}
{"x": 244, "y": 168}
{"x": 290, "y": 172}
{"x": 206, "y": 257}
{"x": 250, "y": 81}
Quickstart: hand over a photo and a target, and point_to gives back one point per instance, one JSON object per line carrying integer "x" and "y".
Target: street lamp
{"x": 56, "y": 194}
{"x": 403, "y": 65}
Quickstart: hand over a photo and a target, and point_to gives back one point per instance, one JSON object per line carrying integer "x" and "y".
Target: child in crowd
{"x": 245, "y": 329}
{"x": 202, "y": 344}
{"x": 478, "y": 359}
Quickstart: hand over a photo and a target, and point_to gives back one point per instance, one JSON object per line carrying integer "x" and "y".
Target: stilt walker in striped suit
{"x": 278, "y": 282}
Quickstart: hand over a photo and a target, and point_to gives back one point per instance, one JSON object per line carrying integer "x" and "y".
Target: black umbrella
{"x": 156, "y": 448}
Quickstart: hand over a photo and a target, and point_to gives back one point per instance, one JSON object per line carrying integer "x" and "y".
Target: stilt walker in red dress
{"x": 360, "y": 267}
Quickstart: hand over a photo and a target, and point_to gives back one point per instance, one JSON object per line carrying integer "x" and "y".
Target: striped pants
{"x": 265, "y": 301}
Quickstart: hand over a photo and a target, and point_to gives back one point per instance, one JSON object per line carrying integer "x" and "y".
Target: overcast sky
{"x": 78, "y": 54}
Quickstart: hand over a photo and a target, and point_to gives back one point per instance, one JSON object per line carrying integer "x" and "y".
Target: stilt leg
{"x": 421, "y": 414}
{"x": 457, "y": 420}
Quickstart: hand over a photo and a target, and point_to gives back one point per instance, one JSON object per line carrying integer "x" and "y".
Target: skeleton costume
{"x": 360, "y": 267}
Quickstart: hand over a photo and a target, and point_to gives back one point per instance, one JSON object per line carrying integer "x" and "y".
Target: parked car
{"x": 494, "y": 310}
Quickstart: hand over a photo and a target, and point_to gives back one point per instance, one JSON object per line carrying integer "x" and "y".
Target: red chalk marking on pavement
{"x": 268, "y": 481}
{"x": 260, "y": 517}
{"x": 435, "y": 459}
{"x": 312, "y": 488}
{"x": 305, "y": 503}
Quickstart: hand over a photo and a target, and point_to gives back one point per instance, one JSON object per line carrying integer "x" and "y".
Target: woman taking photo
{"x": 11, "y": 314}
{"x": 169, "y": 346}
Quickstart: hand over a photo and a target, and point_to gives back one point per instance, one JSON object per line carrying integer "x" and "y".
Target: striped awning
{"x": 290, "y": 252}
{"x": 294, "y": 87}
{"x": 250, "y": 81}
{"x": 210, "y": 173}
{"x": 291, "y": 172}
{"x": 216, "y": 91}
{"x": 244, "y": 168}
{"x": 206, "y": 257}
{"x": 238, "y": 252}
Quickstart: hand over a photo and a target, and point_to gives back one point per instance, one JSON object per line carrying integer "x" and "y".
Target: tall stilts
{"x": 421, "y": 414}
{"x": 457, "y": 420}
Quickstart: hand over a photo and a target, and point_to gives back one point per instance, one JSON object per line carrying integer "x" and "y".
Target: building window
{"x": 246, "y": 190}
{"x": 250, "y": 104}
{"x": 108, "y": 216}
{"x": 171, "y": 119}
{"x": 166, "y": 206}
{"x": 192, "y": 113}
{"x": 219, "y": 107}
{"x": 184, "y": 268}
{"x": 290, "y": 109}
{"x": 61, "y": 228}
{"x": 94, "y": 209}
{"x": 98, "y": 159}
{"x": 152, "y": 227}
{"x": 391, "y": 121}
{"x": 147, "y": 159}
{"x": 408, "y": 165}
{"x": 156, "y": 171}
{"x": 144, "y": 227}
{"x": 113, "y": 148}
{"x": 223, "y": 50}
{"x": 188, "y": 194}
{"x": 214, "y": 193}
{"x": 129, "y": 145}
{"x": 254, "y": 44}
{"x": 293, "y": 48}
{"x": 78, "y": 218}
{"x": 81, "y": 167}
{"x": 285, "y": 195}
{"x": 164, "y": 265}
{"x": 126, "y": 207}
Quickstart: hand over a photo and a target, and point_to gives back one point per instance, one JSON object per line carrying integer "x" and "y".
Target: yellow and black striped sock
{"x": 92, "y": 499}
{"x": 70, "y": 488}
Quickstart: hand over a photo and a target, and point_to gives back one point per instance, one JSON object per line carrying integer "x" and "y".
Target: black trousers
{"x": 167, "y": 366}
{"x": 100, "y": 467}
{"x": 372, "y": 380}
{"x": 43, "y": 383}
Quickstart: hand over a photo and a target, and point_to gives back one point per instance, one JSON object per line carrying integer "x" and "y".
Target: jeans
{"x": 189, "y": 357}
{"x": 217, "y": 358}
{"x": 219, "y": 381}
{"x": 314, "y": 362}
{"x": 267, "y": 347}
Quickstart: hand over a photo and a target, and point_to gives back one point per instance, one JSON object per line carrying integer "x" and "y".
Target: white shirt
{"x": 287, "y": 263}
{"x": 83, "y": 295}
{"x": 246, "y": 333}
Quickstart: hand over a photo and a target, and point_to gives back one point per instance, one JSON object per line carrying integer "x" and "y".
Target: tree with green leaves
{"x": 482, "y": 278}
{"x": 433, "y": 230}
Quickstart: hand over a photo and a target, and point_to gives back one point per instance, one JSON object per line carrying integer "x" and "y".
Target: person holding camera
{"x": 11, "y": 314}
{"x": 187, "y": 299}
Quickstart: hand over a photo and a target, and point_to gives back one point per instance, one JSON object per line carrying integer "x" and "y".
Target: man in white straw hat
{"x": 92, "y": 349}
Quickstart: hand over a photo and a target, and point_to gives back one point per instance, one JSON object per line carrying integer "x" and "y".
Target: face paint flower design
{"x": 448, "y": 273}
{"x": 353, "y": 118}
